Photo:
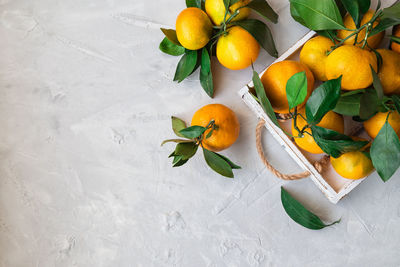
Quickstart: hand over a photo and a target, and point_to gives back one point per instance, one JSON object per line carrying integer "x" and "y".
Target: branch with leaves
{"x": 187, "y": 148}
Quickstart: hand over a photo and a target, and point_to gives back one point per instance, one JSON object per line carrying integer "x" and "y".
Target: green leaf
{"x": 171, "y": 35}
{"x": 170, "y": 48}
{"x": 186, "y": 65}
{"x": 318, "y": 15}
{"x": 334, "y": 143}
{"x": 298, "y": 213}
{"x": 227, "y": 4}
{"x": 232, "y": 2}
{"x": 175, "y": 141}
{"x": 186, "y": 150}
{"x": 395, "y": 39}
{"x": 177, "y": 125}
{"x": 348, "y": 105}
{"x": 261, "y": 33}
{"x": 206, "y": 79}
{"x": 369, "y": 104}
{"x": 396, "y": 101}
{"x": 193, "y": 3}
{"x": 233, "y": 165}
{"x": 390, "y": 17}
{"x": 331, "y": 34}
{"x": 178, "y": 161}
{"x": 217, "y": 163}
{"x": 265, "y": 104}
{"x": 193, "y": 131}
{"x": 341, "y": 7}
{"x": 296, "y": 89}
{"x": 356, "y": 9}
{"x": 377, "y": 84}
{"x": 385, "y": 152}
{"x": 322, "y": 100}
{"x": 264, "y": 9}
{"x": 296, "y": 16}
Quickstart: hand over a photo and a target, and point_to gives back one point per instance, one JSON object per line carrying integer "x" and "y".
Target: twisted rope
{"x": 319, "y": 165}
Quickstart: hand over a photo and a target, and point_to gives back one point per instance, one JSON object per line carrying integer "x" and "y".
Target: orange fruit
{"x": 314, "y": 54}
{"x": 396, "y": 32}
{"x": 374, "y": 41}
{"x": 331, "y": 120}
{"x": 374, "y": 124}
{"x": 193, "y": 28}
{"x": 216, "y": 10}
{"x": 275, "y": 79}
{"x": 237, "y": 49}
{"x": 352, "y": 165}
{"x": 353, "y": 63}
{"x": 389, "y": 73}
{"x": 227, "y": 130}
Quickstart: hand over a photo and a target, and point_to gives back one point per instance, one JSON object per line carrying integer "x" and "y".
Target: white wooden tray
{"x": 332, "y": 185}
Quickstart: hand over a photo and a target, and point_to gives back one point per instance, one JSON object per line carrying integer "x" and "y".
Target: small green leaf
{"x": 217, "y": 163}
{"x": 385, "y": 152}
{"x": 232, "y": 2}
{"x": 209, "y": 133}
{"x": 322, "y": 100}
{"x": 193, "y": 3}
{"x": 264, "y": 10}
{"x": 178, "y": 161}
{"x": 298, "y": 213}
{"x": 396, "y": 101}
{"x": 261, "y": 33}
{"x": 193, "y": 131}
{"x": 377, "y": 83}
{"x": 170, "y": 48}
{"x": 334, "y": 143}
{"x": 233, "y": 165}
{"x": 369, "y": 104}
{"x": 186, "y": 150}
{"x": 390, "y": 17}
{"x": 227, "y": 4}
{"x": 356, "y": 9}
{"x": 171, "y": 35}
{"x": 395, "y": 39}
{"x": 296, "y": 89}
{"x": 265, "y": 104}
{"x": 206, "y": 79}
{"x": 177, "y": 125}
{"x": 318, "y": 15}
{"x": 186, "y": 65}
{"x": 175, "y": 141}
{"x": 348, "y": 105}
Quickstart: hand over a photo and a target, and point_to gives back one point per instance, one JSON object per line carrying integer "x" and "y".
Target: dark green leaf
{"x": 233, "y": 165}
{"x": 377, "y": 84}
{"x": 331, "y": 34}
{"x": 341, "y": 7}
{"x": 334, "y": 143}
{"x": 318, "y": 14}
{"x": 265, "y": 104}
{"x": 264, "y": 9}
{"x": 396, "y": 101}
{"x": 217, "y": 163}
{"x": 193, "y": 3}
{"x": 369, "y": 103}
{"x": 206, "y": 79}
{"x": 298, "y": 213}
{"x": 170, "y": 48}
{"x": 385, "y": 152}
{"x": 395, "y": 39}
{"x": 192, "y": 131}
{"x": 364, "y": 5}
{"x": 186, "y": 65}
{"x": 352, "y": 6}
{"x": 186, "y": 150}
{"x": 348, "y": 105}
{"x": 177, "y": 125}
{"x": 296, "y": 16}
{"x": 178, "y": 161}
{"x": 209, "y": 133}
{"x": 322, "y": 100}
{"x": 227, "y": 4}
{"x": 296, "y": 89}
{"x": 176, "y": 141}
{"x": 378, "y": 58}
{"x": 261, "y": 33}
{"x": 232, "y": 2}
{"x": 171, "y": 35}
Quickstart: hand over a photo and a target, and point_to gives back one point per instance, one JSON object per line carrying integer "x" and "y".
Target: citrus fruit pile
{"x": 221, "y": 28}
{"x": 357, "y": 79}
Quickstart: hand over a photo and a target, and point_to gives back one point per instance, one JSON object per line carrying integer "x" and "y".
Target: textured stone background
{"x": 86, "y": 99}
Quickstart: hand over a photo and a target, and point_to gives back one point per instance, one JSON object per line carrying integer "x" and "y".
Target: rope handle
{"x": 319, "y": 165}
